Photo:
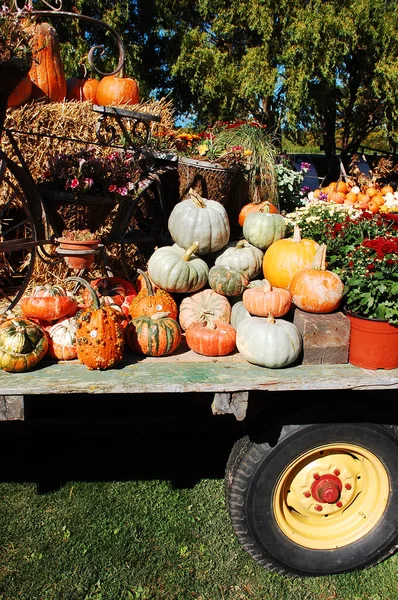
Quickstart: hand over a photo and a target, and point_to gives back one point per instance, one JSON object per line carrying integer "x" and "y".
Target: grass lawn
{"x": 121, "y": 511}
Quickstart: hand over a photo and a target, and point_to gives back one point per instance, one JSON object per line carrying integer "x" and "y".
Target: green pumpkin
{"x": 263, "y": 229}
{"x": 177, "y": 270}
{"x": 242, "y": 256}
{"x": 228, "y": 281}
{"x": 22, "y": 344}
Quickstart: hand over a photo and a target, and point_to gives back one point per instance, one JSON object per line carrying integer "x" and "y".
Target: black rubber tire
{"x": 252, "y": 472}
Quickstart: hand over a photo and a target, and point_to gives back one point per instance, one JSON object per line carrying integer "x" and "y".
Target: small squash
{"x": 177, "y": 270}
{"x": 152, "y": 300}
{"x": 202, "y": 306}
{"x": 47, "y": 71}
{"x": 242, "y": 256}
{"x": 155, "y": 335}
{"x": 272, "y": 343}
{"x": 99, "y": 336}
{"x": 315, "y": 289}
{"x": 284, "y": 258}
{"x": 201, "y": 221}
{"x": 211, "y": 338}
{"x": 263, "y": 228}
{"x": 264, "y": 300}
{"x": 228, "y": 281}
{"x": 22, "y": 344}
{"x": 48, "y": 303}
{"x": 62, "y": 339}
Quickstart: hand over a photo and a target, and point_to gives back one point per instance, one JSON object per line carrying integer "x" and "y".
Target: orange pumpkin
{"x": 255, "y": 207}
{"x": 337, "y": 197}
{"x": 387, "y": 189}
{"x": 155, "y": 335}
{"x": 342, "y": 187}
{"x": 47, "y": 71}
{"x": 49, "y": 303}
{"x": 265, "y": 300}
{"x": 151, "y": 301}
{"x": 373, "y": 206}
{"x": 285, "y": 257}
{"x": 116, "y": 89}
{"x": 316, "y": 290}
{"x": 82, "y": 89}
{"x": 21, "y": 94}
{"x": 211, "y": 338}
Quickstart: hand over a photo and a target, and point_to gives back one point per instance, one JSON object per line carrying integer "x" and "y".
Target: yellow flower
{"x": 202, "y": 149}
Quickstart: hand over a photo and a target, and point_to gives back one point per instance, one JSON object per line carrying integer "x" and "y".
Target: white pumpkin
{"x": 201, "y": 221}
{"x": 238, "y": 313}
{"x": 270, "y": 342}
{"x": 264, "y": 228}
{"x": 175, "y": 269}
{"x": 203, "y": 307}
{"x": 243, "y": 257}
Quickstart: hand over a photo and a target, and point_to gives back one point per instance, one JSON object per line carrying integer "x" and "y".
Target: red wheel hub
{"x": 326, "y": 489}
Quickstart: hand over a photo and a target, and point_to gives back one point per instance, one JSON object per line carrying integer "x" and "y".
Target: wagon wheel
{"x": 18, "y": 234}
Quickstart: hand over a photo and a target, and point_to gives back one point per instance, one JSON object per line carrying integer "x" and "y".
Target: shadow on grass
{"x": 104, "y": 438}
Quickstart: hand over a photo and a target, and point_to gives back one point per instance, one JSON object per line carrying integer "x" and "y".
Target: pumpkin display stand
{"x": 373, "y": 343}
{"x": 78, "y": 254}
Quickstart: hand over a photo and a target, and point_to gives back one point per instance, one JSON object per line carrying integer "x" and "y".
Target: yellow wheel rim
{"x": 331, "y": 496}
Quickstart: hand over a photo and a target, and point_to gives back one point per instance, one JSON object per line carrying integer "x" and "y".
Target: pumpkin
{"x": 211, "y": 338}
{"x": 112, "y": 290}
{"x": 21, "y": 93}
{"x": 272, "y": 343}
{"x": 47, "y": 71}
{"x": 154, "y": 335}
{"x": 82, "y": 89}
{"x": 99, "y": 335}
{"x": 201, "y": 221}
{"x": 242, "y": 256}
{"x": 62, "y": 339}
{"x": 175, "y": 269}
{"x": 255, "y": 207}
{"x": 114, "y": 90}
{"x": 228, "y": 281}
{"x": 22, "y": 344}
{"x": 315, "y": 289}
{"x": 264, "y": 300}
{"x": 151, "y": 301}
{"x": 202, "y": 306}
{"x": 284, "y": 258}
{"x": 238, "y": 313}
{"x": 263, "y": 228}
{"x": 49, "y": 303}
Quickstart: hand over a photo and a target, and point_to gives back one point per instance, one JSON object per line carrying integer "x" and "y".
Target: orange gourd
{"x": 151, "y": 301}
{"x": 155, "y": 335}
{"x": 47, "y": 71}
{"x": 316, "y": 290}
{"x": 211, "y": 338}
{"x": 21, "y": 94}
{"x": 285, "y": 257}
{"x": 117, "y": 89}
{"x": 49, "y": 303}
{"x": 265, "y": 300}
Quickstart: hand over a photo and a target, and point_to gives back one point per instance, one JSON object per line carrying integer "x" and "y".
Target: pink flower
{"x": 74, "y": 183}
{"x": 112, "y": 188}
{"x": 122, "y": 191}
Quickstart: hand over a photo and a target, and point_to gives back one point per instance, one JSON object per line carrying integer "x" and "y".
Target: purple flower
{"x": 122, "y": 191}
{"x": 306, "y": 189}
{"x": 323, "y": 196}
{"x": 305, "y": 166}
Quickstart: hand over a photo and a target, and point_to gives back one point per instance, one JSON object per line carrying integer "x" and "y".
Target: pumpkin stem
{"x": 296, "y": 233}
{"x": 265, "y": 208}
{"x": 197, "y": 198}
{"x": 241, "y": 244}
{"x": 270, "y": 319}
{"x": 93, "y": 293}
{"x": 320, "y": 258}
{"x": 148, "y": 282}
{"x": 191, "y": 250}
{"x": 160, "y": 315}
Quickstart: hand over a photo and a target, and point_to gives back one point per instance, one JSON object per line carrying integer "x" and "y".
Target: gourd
{"x": 21, "y": 93}
{"x": 177, "y": 270}
{"x": 285, "y": 257}
{"x": 228, "y": 281}
{"x": 264, "y": 300}
{"x": 48, "y": 303}
{"x": 155, "y": 335}
{"x": 112, "y": 290}
{"x": 211, "y": 338}
{"x": 47, "y": 71}
{"x": 255, "y": 207}
{"x": 203, "y": 306}
{"x": 263, "y": 228}
{"x": 242, "y": 256}
{"x": 114, "y": 90}
{"x": 22, "y": 344}
{"x": 62, "y": 339}
{"x": 315, "y": 289}
{"x": 151, "y": 301}
{"x": 201, "y": 221}
{"x": 99, "y": 335}
{"x": 272, "y": 343}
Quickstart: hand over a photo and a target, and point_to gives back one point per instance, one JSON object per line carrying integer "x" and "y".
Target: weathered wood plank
{"x": 12, "y": 408}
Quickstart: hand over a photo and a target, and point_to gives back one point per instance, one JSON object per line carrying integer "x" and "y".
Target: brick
{"x": 325, "y": 337}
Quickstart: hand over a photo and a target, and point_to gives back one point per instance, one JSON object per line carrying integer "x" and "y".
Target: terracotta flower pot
{"x": 373, "y": 343}
{"x": 78, "y": 254}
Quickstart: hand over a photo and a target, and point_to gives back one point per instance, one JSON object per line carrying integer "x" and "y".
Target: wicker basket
{"x": 210, "y": 180}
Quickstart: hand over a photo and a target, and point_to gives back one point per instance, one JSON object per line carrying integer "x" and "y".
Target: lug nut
{"x": 316, "y": 475}
{"x": 339, "y": 504}
{"x": 348, "y": 486}
{"x": 318, "y": 507}
{"x": 307, "y": 494}
{"x": 336, "y": 472}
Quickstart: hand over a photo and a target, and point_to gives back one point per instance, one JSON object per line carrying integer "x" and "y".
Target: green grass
{"x": 88, "y": 515}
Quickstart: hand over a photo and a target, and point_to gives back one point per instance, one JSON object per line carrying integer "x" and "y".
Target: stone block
{"x": 326, "y": 337}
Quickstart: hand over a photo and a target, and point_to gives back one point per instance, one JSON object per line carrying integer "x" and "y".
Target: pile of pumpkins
{"x": 369, "y": 197}
{"x": 220, "y": 295}
{"x": 46, "y": 79}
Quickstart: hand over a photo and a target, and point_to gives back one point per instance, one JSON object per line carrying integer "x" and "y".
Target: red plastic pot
{"x": 373, "y": 343}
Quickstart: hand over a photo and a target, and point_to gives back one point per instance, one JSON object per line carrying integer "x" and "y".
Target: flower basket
{"x": 210, "y": 180}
